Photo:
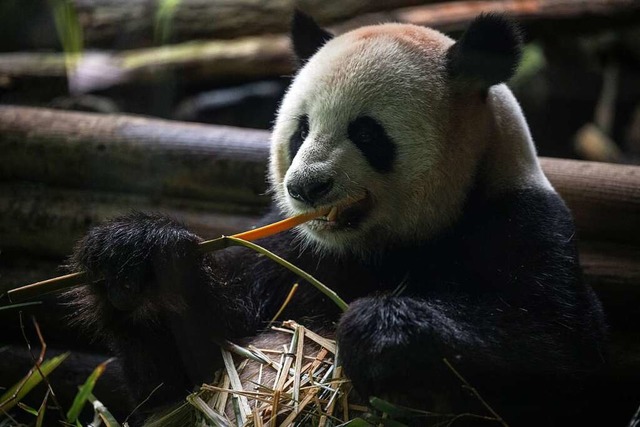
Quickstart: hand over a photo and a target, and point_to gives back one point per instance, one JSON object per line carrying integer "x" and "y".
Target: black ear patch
{"x": 306, "y": 36}
{"x": 488, "y": 52}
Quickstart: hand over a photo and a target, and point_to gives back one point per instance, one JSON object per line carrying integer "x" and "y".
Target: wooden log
{"x": 613, "y": 270}
{"x": 46, "y": 221}
{"x": 536, "y": 16}
{"x": 604, "y": 198}
{"x": 121, "y": 23}
{"x": 269, "y": 55}
{"x": 191, "y": 19}
{"x": 106, "y": 21}
{"x": 227, "y": 166}
{"x": 113, "y": 23}
{"x": 158, "y": 158}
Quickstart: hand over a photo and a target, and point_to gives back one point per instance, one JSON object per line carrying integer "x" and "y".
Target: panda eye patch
{"x": 374, "y": 143}
{"x": 298, "y": 136}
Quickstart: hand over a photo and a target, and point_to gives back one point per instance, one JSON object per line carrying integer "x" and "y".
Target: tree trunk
{"x": 47, "y": 221}
{"x": 226, "y": 166}
{"x": 127, "y": 154}
{"x": 269, "y": 55}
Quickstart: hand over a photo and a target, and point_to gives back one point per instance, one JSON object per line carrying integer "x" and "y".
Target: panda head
{"x": 388, "y": 124}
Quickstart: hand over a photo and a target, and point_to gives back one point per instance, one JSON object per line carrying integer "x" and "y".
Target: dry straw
{"x": 296, "y": 385}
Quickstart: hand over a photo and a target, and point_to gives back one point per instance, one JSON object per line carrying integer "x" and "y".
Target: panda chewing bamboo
{"x": 443, "y": 235}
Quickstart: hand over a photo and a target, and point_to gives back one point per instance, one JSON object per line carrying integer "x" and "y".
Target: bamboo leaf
{"x": 85, "y": 391}
{"x": 105, "y": 416}
{"x": 69, "y": 31}
{"x": 28, "y": 409}
{"x": 42, "y": 410}
{"x": 163, "y": 19}
{"x": 19, "y": 390}
{"x": 301, "y": 273}
{"x": 397, "y": 411}
{"x": 385, "y": 422}
{"x": 356, "y": 422}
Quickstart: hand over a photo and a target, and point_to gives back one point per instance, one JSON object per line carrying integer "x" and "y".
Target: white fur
{"x": 445, "y": 140}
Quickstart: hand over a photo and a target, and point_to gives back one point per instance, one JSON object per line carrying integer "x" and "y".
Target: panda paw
{"x": 383, "y": 342}
{"x": 137, "y": 255}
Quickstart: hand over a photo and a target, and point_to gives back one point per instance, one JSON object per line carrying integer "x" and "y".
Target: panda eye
{"x": 298, "y": 136}
{"x": 374, "y": 143}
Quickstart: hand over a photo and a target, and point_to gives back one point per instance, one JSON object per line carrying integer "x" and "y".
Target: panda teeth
{"x": 333, "y": 214}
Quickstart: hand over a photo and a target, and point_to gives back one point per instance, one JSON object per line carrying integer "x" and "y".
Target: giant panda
{"x": 445, "y": 237}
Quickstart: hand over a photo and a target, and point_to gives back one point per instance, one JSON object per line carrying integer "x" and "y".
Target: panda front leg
{"x": 157, "y": 304}
{"x": 392, "y": 347}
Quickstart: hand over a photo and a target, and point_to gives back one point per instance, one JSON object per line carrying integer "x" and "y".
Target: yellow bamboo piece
{"x": 75, "y": 279}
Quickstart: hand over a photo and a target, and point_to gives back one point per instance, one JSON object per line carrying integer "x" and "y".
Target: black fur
{"x": 374, "y": 143}
{"x": 298, "y": 137}
{"x": 306, "y": 36}
{"x": 488, "y": 52}
{"x": 499, "y": 295}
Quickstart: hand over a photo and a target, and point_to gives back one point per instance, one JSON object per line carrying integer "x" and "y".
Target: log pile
{"x": 63, "y": 172}
{"x": 239, "y": 42}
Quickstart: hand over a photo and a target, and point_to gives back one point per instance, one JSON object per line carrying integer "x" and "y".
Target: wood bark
{"x": 111, "y": 20}
{"x": 103, "y": 21}
{"x": 604, "y": 198}
{"x": 159, "y": 158}
{"x": 227, "y": 166}
{"x": 269, "y": 55}
{"x": 46, "y": 221}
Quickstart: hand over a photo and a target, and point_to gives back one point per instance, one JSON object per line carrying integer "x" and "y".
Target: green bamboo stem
{"x": 55, "y": 284}
{"x": 303, "y": 274}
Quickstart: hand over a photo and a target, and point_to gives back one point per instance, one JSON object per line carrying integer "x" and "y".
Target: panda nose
{"x": 310, "y": 192}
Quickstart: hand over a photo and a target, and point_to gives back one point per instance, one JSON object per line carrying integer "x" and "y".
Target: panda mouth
{"x": 347, "y": 213}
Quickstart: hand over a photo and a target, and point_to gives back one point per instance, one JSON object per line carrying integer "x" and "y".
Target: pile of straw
{"x": 296, "y": 385}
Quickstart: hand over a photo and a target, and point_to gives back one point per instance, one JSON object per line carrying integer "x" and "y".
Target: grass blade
{"x": 19, "y": 390}
{"x": 397, "y": 411}
{"x": 356, "y": 422}
{"x": 301, "y": 273}
{"x": 42, "y": 410}
{"x": 102, "y": 412}
{"x": 28, "y": 409}
{"x": 85, "y": 391}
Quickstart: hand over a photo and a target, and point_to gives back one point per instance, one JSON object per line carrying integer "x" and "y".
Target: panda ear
{"x": 488, "y": 52}
{"x": 306, "y": 36}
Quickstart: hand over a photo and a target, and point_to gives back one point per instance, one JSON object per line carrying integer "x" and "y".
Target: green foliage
{"x": 85, "y": 391}
{"x": 163, "y": 18}
{"x": 102, "y": 412}
{"x": 42, "y": 410}
{"x": 67, "y": 25}
{"x": 533, "y": 61}
{"x": 19, "y": 390}
{"x": 234, "y": 241}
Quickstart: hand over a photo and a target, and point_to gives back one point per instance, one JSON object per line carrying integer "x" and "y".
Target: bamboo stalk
{"x": 241, "y": 239}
